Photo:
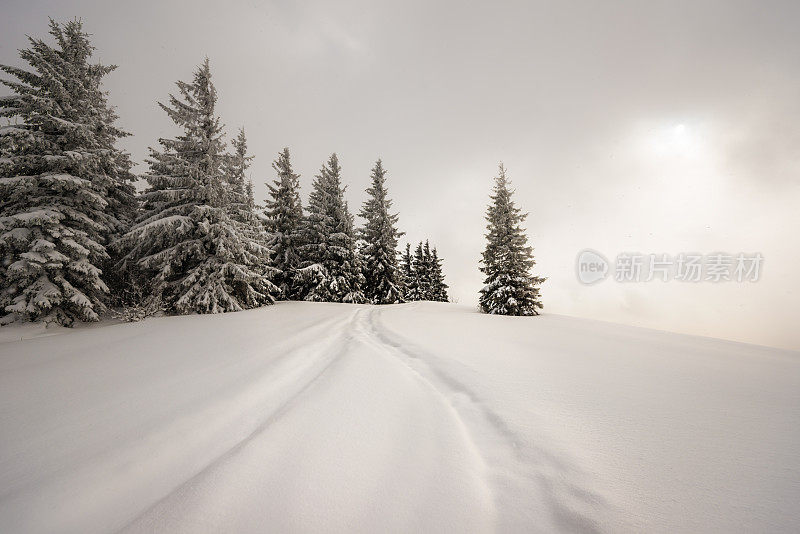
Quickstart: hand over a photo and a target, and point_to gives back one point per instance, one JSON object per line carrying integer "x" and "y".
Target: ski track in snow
{"x": 525, "y": 486}
{"x": 532, "y": 486}
{"x": 446, "y": 472}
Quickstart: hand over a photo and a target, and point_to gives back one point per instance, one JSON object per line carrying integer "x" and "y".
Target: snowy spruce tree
{"x": 186, "y": 245}
{"x": 284, "y": 213}
{"x": 379, "y": 243}
{"x": 424, "y": 273}
{"x": 331, "y": 269}
{"x": 66, "y": 189}
{"x": 507, "y": 260}
{"x": 429, "y": 272}
{"x": 240, "y": 204}
{"x": 421, "y": 285}
{"x": 439, "y": 292}
{"x": 251, "y": 199}
{"x": 408, "y": 282}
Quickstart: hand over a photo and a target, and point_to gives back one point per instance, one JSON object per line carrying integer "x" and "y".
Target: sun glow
{"x": 678, "y": 140}
{"x": 679, "y": 167}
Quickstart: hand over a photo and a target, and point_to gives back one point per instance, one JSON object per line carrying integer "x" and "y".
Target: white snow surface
{"x": 422, "y": 417}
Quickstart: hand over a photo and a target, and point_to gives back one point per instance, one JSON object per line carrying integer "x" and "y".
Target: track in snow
{"x": 325, "y": 428}
{"x": 341, "y": 454}
{"x": 338, "y": 418}
{"x": 533, "y": 487}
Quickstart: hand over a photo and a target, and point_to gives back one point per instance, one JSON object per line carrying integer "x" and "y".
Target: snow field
{"x": 423, "y": 417}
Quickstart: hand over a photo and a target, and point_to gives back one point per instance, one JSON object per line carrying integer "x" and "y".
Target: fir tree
{"x": 419, "y": 287}
{"x": 186, "y": 245}
{"x": 66, "y": 188}
{"x": 507, "y": 260}
{"x": 241, "y": 204}
{"x": 438, "y": 287}
{"x": 251, "y": 199}
{"x": 424, "y": 274}
{"x": 331, "y": 269}
{"x": 407, "y": 272}
{"x": 284, "y": 214}
{"x": 427, "y": 272}
{"x": 237, "y": 164}
{"x": 379, "y": 249}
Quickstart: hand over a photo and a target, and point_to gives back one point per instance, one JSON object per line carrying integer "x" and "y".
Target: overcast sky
{"x": 650, "y": 127}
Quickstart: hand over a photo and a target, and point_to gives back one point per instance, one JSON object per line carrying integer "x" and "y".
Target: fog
{"x": 657, "y": 127}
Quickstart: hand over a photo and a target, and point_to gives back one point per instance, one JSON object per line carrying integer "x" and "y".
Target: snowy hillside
{"x": 306, "y": 417}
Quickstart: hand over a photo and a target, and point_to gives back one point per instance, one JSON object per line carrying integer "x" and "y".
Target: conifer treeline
{"x": 75, "y": 237}
{"x": 422, "y": 274}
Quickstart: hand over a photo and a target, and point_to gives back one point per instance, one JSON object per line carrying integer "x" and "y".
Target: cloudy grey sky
{"x": 651, "y": 127}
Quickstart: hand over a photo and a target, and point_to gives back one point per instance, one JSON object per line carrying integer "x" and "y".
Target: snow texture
{"x": 404, "y": 418}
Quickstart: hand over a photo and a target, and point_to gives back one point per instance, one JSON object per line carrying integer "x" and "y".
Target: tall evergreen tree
{"x": 284, "y": 213}
{"x": 331, "y": 268}
{"x": 379, "y": 249}
{"x": 507, "y": 260}
{"x": 66, "y": 188}
{"x": 186, "y": 244}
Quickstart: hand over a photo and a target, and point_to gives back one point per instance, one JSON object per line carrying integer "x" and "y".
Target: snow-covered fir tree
{"x": 236, "y": 165}
{"x": 241, "y": 204}
{"x": 284, "y": 213}
{"x": 186, "y": 245}
{"x": 507, "y": 260}
{"x": 424, "y": 273}
{"x": 438, "y": 286}
{"x": 66, "y": 189}
{"x": 428, "y": 271}
{"x": 331, "y": 270}
{"x": 251, "y": 199}
{"x": 379, "y": 243}
{"x": 407, "y": 273}
{"x": 421, "y": 285}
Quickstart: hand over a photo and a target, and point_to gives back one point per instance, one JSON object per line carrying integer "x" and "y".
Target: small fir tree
{"x": 438, "y": 287}
{"x": 236, "y": 165}
{"x": 407, "y": 273}
{"x": 428, "y": 272}
{"x": 251, "y": 199}
{"x": 421, "y": 283}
